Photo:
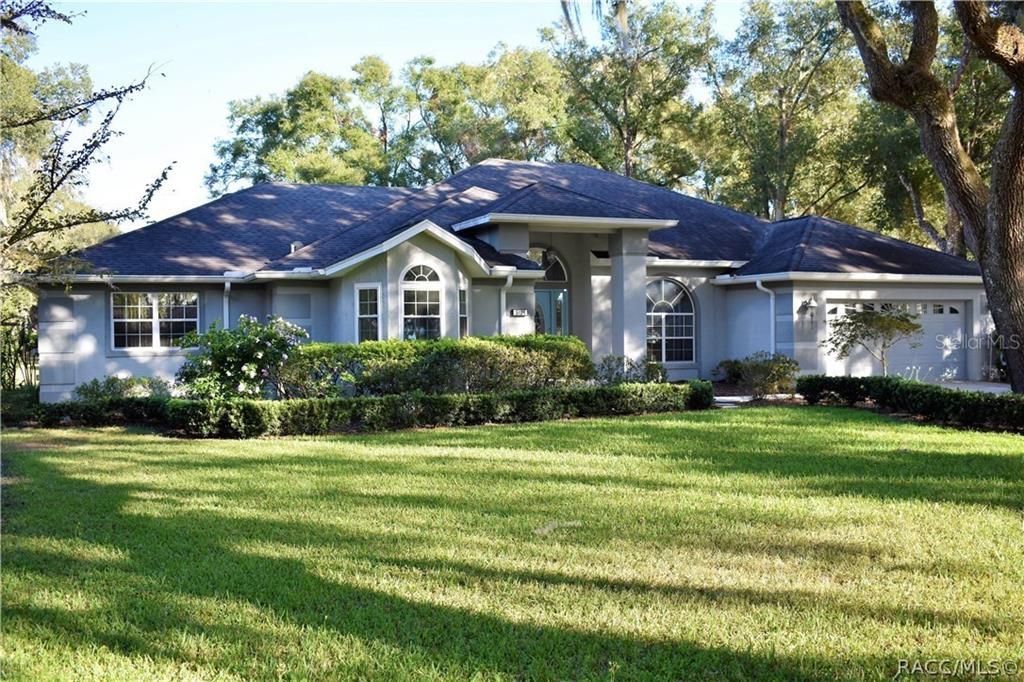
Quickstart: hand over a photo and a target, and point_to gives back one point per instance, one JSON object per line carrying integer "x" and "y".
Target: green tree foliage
{"x": 380, "y": 129}
{"x": 783, "y": 92}
{"x": 42, "y": 173}
{"x": 874, "y": 331}
{"x": 628, "y": 111}
{"x": 316, "y": 132}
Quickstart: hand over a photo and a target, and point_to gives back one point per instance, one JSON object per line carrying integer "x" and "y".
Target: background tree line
{"x": 772, "y": 120}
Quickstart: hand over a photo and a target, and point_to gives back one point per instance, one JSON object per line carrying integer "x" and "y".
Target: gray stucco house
{"x": 505, "y": 247}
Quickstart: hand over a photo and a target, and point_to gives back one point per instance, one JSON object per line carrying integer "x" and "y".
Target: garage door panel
{"x": 939, "y": 351}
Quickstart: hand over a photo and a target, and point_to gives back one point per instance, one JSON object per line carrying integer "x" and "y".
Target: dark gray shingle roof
{"x": 254, "y": 228}
{"x": 816, "y": 244}
{"x": 543, "y": 199}
{"x": 240, "y": 231}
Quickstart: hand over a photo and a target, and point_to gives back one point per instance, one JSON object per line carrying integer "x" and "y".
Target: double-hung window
{"x": 144, "y": 320}
{"x": 367, "y": 312}
{"x": 463, "y": 314}
{"x": 421, "y": 303}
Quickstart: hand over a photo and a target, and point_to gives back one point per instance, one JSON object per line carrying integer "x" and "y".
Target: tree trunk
{"x": 993, "y": 219}
{"x": 1002, "y": 251}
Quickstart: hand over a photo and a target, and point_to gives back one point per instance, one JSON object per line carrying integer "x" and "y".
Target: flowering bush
{"x": 243, "y": 362}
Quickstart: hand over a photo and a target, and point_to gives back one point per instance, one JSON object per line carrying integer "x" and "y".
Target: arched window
{"x": 421, "y": 273}
{"x": 554, "y": 269}
{"x": 670, "y": 322}
{"x": 421, "y": 303}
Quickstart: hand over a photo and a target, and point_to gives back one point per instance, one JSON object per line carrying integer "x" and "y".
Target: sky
{"x": 207, "y": 54}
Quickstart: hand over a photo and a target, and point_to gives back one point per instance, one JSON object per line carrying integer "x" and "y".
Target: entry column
{"x": 628, "y": 251}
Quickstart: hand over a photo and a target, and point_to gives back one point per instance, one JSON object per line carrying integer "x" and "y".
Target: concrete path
{"x": 984, "y": 386}
{"x": 731, "y": 401}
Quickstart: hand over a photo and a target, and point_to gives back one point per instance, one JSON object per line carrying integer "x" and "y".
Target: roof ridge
{"x": 873, "y": 233}
{"x": 673, "y": 192}
{"x": 805, "y": 238}
{"x": 336, "y": 233}
{"x": 403, "y": 225}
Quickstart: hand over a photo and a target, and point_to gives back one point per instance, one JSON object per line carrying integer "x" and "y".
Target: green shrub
{"x": 111, "y": 412}
{"x": 731, "y": 371}
{"x": 243, "y": 362}
{"x": 618, "y": 369}
{"x": 115, "y": 388}
{"x": 965, "y": 408}
{"x": 473, "y": 365}
{"x": 250, "y": 418}
{"x": 19, "y": 405}
{"x": 761, "y": 373}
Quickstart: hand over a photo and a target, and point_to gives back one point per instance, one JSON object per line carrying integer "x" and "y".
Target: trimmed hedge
{"x": 111, "y": 412}
{"x": 471, "y": 365}
{"x": 251, "y": 418}
{"x": 965, "y": 408}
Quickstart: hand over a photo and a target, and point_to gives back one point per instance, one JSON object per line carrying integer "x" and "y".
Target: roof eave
{"x": 726, "y": 280}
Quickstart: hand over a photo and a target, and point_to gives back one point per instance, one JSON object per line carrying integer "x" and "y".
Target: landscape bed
{"x": 762, "y": 543}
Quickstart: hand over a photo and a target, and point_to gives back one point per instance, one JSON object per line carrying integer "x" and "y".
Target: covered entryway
{"x": 551, "y": 311}
{"x": 940, "y": 355}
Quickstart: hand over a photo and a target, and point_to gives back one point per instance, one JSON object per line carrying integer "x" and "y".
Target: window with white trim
{"x": 463, "y": 313}
{"x": 367, "y": 313}
{"x": 145, "y": 320}
{"x": 421, "y": 303}
{"x": 670, "y": 322}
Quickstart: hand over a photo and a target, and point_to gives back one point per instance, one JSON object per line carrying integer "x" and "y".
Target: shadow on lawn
{"x": 168, "y": 556}
{"x": 822, "y": 450}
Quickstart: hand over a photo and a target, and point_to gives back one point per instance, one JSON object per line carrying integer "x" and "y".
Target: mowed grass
{"x": 761, "y": 543}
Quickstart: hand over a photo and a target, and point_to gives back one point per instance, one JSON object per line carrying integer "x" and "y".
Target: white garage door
{"x": 940, "y": 355}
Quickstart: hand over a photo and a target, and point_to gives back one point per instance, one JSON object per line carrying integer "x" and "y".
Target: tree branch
{"x": 997, "y": 41}
{"x": 922, "y": 222}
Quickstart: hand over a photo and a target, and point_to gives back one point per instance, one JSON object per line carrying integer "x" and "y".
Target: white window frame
{"x": 437, "y": 286}
{"x": 693, "y": 325}
{"x": 365, "y": 286}
{"x": 463, "y": 291}
{"x": 154, "y": 320}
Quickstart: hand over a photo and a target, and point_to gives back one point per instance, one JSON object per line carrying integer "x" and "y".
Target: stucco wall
{"x": 746, "y": 329}
{"x": 75, "y": 344}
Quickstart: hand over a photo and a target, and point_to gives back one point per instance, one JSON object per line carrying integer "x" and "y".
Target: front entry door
{"x": 552, "y": 314}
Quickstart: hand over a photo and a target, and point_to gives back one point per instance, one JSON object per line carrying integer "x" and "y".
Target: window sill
{"x": 148, "y": 352}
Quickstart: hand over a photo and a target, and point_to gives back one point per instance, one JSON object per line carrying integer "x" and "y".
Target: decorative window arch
{"x": 671, "y": 322}
{"x": 554, "y": 268}
{"x": 421, "y": 303}
{"x": 421, "y": 273}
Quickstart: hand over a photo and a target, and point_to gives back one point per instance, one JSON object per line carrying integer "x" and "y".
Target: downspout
{"x": 226, "y": 318}
{"x": 771, "y": 314}
{"x": 501, "y": 303}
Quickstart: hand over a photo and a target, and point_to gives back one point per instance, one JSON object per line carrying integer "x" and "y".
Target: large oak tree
{"x": 992, "y": 212}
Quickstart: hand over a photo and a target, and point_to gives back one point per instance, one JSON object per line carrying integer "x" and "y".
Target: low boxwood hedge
{"x": 251, "y": 418}
{"x": 108, "y": 412}
{"x": 965, "y": 408}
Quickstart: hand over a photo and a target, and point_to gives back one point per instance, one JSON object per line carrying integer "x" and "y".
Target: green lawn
{"x": 790, "y": 543}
